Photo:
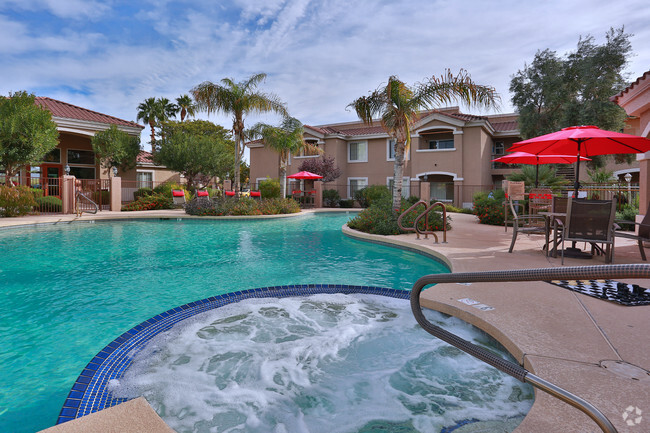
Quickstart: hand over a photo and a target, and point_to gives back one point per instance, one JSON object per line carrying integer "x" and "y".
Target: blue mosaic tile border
{"x": 90, "y": 394}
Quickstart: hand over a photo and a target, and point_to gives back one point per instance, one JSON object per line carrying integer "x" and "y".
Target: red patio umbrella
{"x": 304, "y": 175}
{"x": 531, "y": 159}
{"x": 583, "y": 141}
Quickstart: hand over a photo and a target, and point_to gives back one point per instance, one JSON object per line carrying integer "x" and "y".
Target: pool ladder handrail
{"x": 425, "y": 214}
{"x": 78, "y": 198}
{"x": 508, "y": 367}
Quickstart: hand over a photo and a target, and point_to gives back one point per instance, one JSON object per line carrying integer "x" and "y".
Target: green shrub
{"x": 454, "y": 209}
{"x": 488, "y": 207}
{"x": 277, "y": 206}
{"x": 349, "y": 203}
{"x": 270, "y": 188}
{"x": 16, "y": 201}
{"x": 101, "y": 197}
{"x": 366, "y": 196}
{"x": 331, "y": 198}
{"x": 49, "y": 204}
{"x": 37, "y": 192}
{"x": 166, "y": 188}
{"x": 150, "y": 202}
{"x": 628, "y": 213}
{"x": 380, "y": 219}
{"x": 242, "y": 206}
{"x": 142, "y": 192}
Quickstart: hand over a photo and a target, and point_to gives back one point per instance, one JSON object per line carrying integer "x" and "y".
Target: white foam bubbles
{"x": 318, "y": 364}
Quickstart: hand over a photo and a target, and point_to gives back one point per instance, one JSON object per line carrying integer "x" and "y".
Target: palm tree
{"x": 238, "y": 99}
{"x": 398, "y": 105}
{"x": 148, "y": 113}
{"x": 167, "y": 109}
{"x": 186, "y": 105}
{"x": 285, "y": 139}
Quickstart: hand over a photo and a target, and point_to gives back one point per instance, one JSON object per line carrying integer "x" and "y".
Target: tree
{"x": 238, "y": 99}
{"x": 554, "y": 92}
{"x": 324, "y": 166}
{"x": 198, "y": 149}
{"x": 148, "y": 113}
{"x": 399, "y": 104}
{"x": 154, "y": 112}
{"x": 546, "y": 177}
{"x": 285, "y": 139}
{"x": 27, "y": 133}
{"x": 115, "y": 148}
{"x": 186, "y": 106}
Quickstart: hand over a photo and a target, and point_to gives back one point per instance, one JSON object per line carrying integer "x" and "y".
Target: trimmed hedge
{"x": 49, "y": 204}
{"x": 16, "y": 201}
{"x": 242, "y": 206}
{"x": 150, "y": 202}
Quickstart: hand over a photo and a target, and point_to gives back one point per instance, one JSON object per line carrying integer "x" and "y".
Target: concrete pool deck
{"x": 596, "y": 349}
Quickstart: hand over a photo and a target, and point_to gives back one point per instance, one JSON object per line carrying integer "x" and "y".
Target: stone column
{"x": 425, "y": 190}
{"x": 116, "y": 194}
{"x": 68, "y": 194}
{"x": 318, "y": 197}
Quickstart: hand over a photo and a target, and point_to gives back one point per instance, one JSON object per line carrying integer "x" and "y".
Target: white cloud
{"x": 75, "y": 9}
{"x": 319, "y": 55}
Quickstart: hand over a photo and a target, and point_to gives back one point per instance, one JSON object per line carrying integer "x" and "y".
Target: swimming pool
{"x": 68, "y": 290}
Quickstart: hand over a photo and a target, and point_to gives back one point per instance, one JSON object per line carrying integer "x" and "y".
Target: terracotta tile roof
{"x": 376, "y": 128}
{"x": 316, "y": 128}
{"x": 144, "y": 157}
{"x": 505, "y": 126}
{"x": 69, "y": 111}
{"x": 630, "y": 87}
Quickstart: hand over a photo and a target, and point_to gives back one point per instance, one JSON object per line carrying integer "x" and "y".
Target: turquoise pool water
{"x": 69, "y": 290}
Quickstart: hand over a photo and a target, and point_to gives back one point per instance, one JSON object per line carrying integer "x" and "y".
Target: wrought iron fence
{"x": 132, "y": 189}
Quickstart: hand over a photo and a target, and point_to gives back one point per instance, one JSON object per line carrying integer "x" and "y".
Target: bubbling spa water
{"x": 324, "y": 363}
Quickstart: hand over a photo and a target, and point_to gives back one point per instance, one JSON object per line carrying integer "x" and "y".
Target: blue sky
{"x": 319, "y": 55}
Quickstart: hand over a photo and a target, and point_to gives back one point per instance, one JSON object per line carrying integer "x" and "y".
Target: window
{"x": 498, "y": 148}
{"x": 355, "y": 184}
{"x": 390, "y": 149}
{"x": 442, "y": 191}
{"x": 441, "y": 144}
{"x": 144, "y": 179}
{"x": 53, "y": 156}
{"x": 81, "y": 157}
{"x": 406, "y": 186}
{"x": 83, "y": 172}
{"x": 358, "y": 151}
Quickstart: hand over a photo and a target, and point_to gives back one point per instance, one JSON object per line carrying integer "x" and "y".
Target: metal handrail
{"x": 425, "y": 214}
{"x": 413, "y": 229}
{"x": 82, "y": 195}
{"x": 508, "y": 367}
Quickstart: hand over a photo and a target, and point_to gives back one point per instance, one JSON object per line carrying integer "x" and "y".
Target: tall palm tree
{"x": 148, "y": 112}
{"x": 285, "y": 139}
{"x": 186, "y": 106}
{"x": 238, "y": 99}
{"x": 398, "y": 105}
{"x": 166, "y": 110}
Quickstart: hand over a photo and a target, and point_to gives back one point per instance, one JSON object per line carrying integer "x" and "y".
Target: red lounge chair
{"x": 256, "y": 194}
{"x": 202, "y": 194}
{"x": 178, "y": 196}
{"x": 229, "y": 193}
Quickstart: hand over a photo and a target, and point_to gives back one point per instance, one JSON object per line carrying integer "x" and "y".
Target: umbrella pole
{"x": 576, "y": 185}
{"x": 537, "y": 173}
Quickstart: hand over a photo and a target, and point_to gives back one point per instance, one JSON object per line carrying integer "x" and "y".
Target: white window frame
{"x": 390, "y": 145}
{"x": 365, "y": 142}
{"x": 365, "y": 179}
{"x": 444, "y": 148}
{"x": 153, "y": 177}
{"x": 77, "y": 164}
{"x": 257, "y": 182}
{"x": 405, "y": 181}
